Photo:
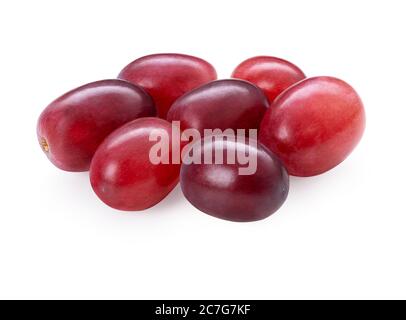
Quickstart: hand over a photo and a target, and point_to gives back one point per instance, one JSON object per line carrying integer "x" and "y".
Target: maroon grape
{"x": 72, "y": 127}
{"x": 222, "y": 104}
{"x": 222, "y": 191}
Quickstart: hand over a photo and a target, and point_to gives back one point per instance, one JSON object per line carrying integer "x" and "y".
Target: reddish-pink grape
{"x": 122, "y": 174}
{"x": 314, "y": 125}
{"x": 272, "y": 75}
{"x": 166, "y": 77}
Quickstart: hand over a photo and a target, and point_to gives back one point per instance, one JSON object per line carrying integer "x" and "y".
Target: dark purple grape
{"x": 222, "y": 191}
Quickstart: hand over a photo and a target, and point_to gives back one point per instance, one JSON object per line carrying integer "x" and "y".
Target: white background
{"x": 339, "y": 235}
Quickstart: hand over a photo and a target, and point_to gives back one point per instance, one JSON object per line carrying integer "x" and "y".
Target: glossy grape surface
{"x": 71, "y": 128}
{"x": 166, "y": 77}
{"x": 272, "y": 75}
{"x": 222, "y": 104}
{"x": 314, "y": 125}
{"x": 219, "y": 190}
{"x": 122, "y": 174}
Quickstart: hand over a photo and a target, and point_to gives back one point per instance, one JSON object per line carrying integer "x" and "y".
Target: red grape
{"x": 72, "y": 127}
{"x": 221, "y": 104}
{"x": 221, "y": 191}
{"x": 122, "y": 174}
{"x": 166, "y": 77}
{"x": 314, "y": 125}
{"x": 272, "y": 75}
